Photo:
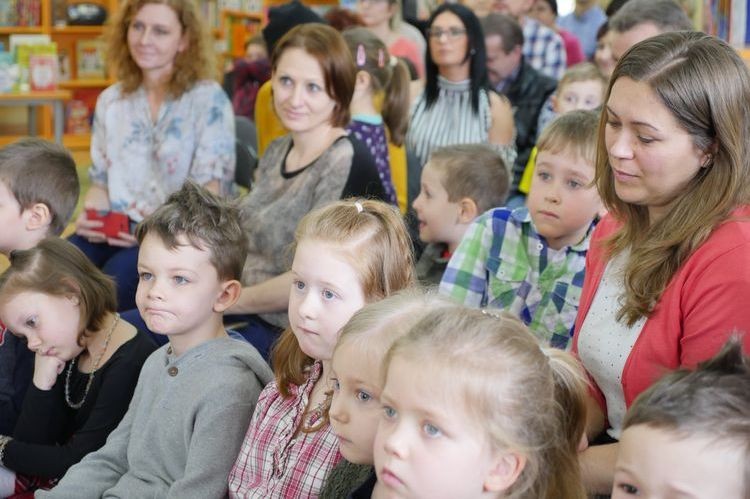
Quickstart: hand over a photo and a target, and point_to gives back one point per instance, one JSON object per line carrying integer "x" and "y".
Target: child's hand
{"x": 97, "y": 198}
{"x": 125, "y": 240}
{"x": 46, "y": 370}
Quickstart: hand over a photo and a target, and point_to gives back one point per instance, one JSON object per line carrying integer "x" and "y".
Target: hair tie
{"x": 359, "y": 207}
{"x": 361, "y": 55}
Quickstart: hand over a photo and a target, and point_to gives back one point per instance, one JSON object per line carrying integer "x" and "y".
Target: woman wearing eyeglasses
{"x": 456, "y": 105}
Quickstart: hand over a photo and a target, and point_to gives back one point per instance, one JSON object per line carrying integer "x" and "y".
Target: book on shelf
{"x": 90, "y": 63}
{"x": 24, "y": 53}
{"x": 20, "y": 13}
{"x": 79, "y": 111}
{"x": 43, "y": 71}
{"x": 63, "y": 65}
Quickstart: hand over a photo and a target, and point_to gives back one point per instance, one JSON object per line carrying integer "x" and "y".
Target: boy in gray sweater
{"x": 196, "y": 394}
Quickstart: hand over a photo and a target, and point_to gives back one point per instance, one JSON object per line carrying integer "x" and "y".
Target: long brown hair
{"x": 524, "y": 395}
{"x": 706, "y": 87}
{"x": 378, "y": 245}
{"x": 194, "y": 63}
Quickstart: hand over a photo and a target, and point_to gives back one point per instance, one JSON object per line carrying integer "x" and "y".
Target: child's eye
{"x": 628, "y": 489}
{"x": 178, "y": 279}
{"x": 544, "y": 175}
{"x": 285, "y": 80}
{"x": 30, "y": 322}
{"x": 299, "y": 285}
{"x": 431, "y": 430}
{"x": 389, "y": 412}
{"x": 574, "y": 184}
{"x": 336, "y": 385}
{"x": 145, "y": 276}
{"x": 328, "y": 294}
{"x": 363, "y": 396}
{"x": 613, "y": 124}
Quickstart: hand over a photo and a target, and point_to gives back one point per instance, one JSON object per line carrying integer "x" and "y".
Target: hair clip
{"x": 393, "y": 61}
{"x": 361, "y": 55}
{"x": 491, "y": 313}
{"x": 381, "y": 58}
{"x": 359, "y": 207}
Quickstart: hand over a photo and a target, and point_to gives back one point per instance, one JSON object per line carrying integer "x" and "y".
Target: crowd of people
{"x": 502, "y": 257}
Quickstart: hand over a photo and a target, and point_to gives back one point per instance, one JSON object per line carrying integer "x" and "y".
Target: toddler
{"x": 474, "y": 407}
{"x": 347, "y": 254}
{"x": 458, "y": 183}
{"x": 530, "y": 260}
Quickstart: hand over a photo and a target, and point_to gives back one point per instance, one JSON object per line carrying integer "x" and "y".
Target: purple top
{"x": 374, "y": 137}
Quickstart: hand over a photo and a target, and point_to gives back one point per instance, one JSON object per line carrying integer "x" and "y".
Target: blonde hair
{"x": 194, "y": 63}
{"x": 575, "y": 132}
{"x": 516, "y": 390}
{"x": 583, "y": 71}
{"x": 706, "y": 87}
{"x": 373, "y": 236}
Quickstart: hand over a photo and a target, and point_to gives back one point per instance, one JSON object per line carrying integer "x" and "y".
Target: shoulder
{"x": 499, "y": 105}
{"x": 733, "y": 234}
{"x": 110, "y": 94}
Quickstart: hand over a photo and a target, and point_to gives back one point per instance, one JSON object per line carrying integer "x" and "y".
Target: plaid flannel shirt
{"x": 503, "y": 262}
{"x": 277, "y": 460}
{"x": 543, "y": 49}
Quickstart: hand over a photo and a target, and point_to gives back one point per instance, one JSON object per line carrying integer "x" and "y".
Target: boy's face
{"x": 655, "y": 463}
{"x": 355, "y": 408}
{"x": 13, "y": 222}
{"x": 561, "y": 201}
{"x": 425, "y": 446}
{"x": 438, "y": 217}
{"x": 578, "y": 95}
{"x": 178, "y": 289}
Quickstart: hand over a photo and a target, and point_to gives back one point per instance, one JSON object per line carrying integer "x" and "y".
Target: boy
{"x": 196, "y": 394}
{"x": 458, "y": 183}
{"x": 689, "y": 433}
{"x": 38, "y": 192}
{"x": 530, "y": 260}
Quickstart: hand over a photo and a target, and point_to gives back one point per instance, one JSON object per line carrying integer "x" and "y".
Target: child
{"x": 477, "y": 414}
{"x": 690, "y": 432}
{"x": 530, "y": 261}
{"x": 195, "y": 395}
{"x": 38, "y": 192}
{"x": 582, "y": 87}
{"x": 382, "y": 82}
{"x": 458, "y": 183}
{"x": 358, "y": 380}
{"x": 86, "y": 367}
{"x": 347, "y": 254}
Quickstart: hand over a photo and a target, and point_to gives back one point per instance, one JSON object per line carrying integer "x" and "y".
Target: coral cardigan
{"x": 706, "y": 300}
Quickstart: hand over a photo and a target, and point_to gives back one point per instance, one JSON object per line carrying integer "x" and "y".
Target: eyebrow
{"x": 637, "y": 123}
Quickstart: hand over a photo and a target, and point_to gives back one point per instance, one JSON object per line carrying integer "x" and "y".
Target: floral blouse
{"x": 141, "y": 161}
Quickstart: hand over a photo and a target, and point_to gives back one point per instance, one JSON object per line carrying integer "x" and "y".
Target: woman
{"x": 455, "y": 106}
{"x": 87, "y": 361}
{"x": 603, "y": 54}
{"x": 383, "y": 17}
{"x": 669, "y": 267}
{"x": 164, "y": 121}
{"x": 316, "y": 163}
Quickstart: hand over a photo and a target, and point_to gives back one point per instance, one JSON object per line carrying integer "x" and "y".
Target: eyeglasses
{"x": 452, "y": 32}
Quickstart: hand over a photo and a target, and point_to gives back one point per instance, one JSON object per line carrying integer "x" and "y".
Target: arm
{"x": 271, "y": 295}
{"x": 214, "y": 152}
{"x": 465, "y": 278}
{"x": 502, "y": 130}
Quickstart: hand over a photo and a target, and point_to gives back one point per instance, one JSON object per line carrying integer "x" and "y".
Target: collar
{"x": 508, "y": 81}
{"x": 523, "y": 216}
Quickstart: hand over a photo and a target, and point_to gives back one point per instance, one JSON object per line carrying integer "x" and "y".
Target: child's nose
{"x": 395, "y": 442}
{"x": 337, "y": 411}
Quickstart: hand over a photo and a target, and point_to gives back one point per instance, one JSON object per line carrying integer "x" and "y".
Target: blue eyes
{"x": 363, "y": 396}
{"x": 389, "y": 412}
{"x": 431, "y": 430}
{"x": 146, "y": 276}
{"x": 299, "y": 285}
{"x": 178, "y": 279}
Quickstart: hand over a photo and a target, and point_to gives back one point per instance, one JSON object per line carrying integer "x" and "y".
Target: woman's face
{"x": 449, "y": 42}
{"x": 603, "y": 55}
{"x": 375, "y": 12}
{"x": 299, "y": 92}
{"x": 50, "y": 324}
{"x": 155, "y": 37}
{"x": 652, "y": 157}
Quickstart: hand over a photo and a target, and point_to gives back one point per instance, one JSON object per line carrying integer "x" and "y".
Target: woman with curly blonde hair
{"x": 164, "y": 121}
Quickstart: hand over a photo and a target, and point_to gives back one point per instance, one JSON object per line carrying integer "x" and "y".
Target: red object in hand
{"x": 114, "y": 222}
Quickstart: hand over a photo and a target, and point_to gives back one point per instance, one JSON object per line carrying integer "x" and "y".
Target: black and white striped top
{"x": 451, "y": 120}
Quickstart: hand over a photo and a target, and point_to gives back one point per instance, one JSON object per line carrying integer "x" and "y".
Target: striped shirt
{"x": 277, "y": 460}
{"x": 451, "y": 120}
{"x": 503, "y": 262}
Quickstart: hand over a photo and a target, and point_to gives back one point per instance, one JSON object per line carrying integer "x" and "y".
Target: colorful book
{"x": 90, "y": 63}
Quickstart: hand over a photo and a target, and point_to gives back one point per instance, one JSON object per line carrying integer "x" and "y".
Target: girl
{"x": 347, "y": 254}
{"x": 383, "y": 78}
{"x": 473, "y": 407}
{"x": 87, "y": 360}
{"x": 672, "y": 168}
{"x": 315, "y": 163}
{"x": 358, "y": 380}
{"x": 164, "y": 121}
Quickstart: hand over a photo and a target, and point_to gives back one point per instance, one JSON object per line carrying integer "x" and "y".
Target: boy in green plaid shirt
{"x": 530, "y": 260}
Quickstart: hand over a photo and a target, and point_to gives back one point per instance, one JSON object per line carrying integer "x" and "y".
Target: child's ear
{"x": 37, "y": 217}
{"x": 468, "y": 210}
{"x": 504, "y": 472}
{"x": 230, "y": 292}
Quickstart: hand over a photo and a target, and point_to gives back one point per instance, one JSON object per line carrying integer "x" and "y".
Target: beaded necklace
{"x": 78, "y": 405}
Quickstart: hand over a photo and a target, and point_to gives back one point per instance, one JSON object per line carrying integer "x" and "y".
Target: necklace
{"x": 78, "y": 405}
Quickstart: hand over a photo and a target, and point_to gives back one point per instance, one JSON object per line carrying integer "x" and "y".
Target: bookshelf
{"x": 48, "y": 17}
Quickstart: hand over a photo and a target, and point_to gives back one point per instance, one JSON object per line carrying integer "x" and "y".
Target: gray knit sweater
{"x": 182, "y": 431}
